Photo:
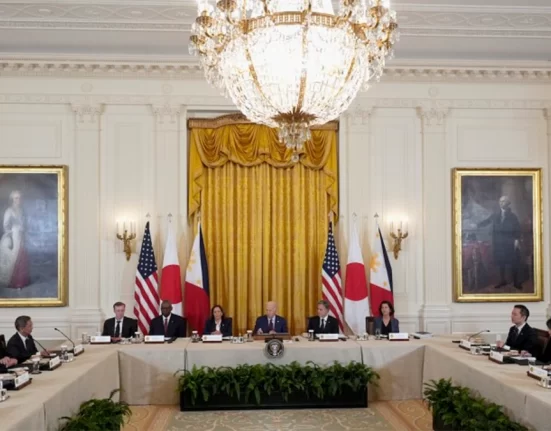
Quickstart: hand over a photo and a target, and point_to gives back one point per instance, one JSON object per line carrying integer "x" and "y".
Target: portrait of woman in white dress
{"x": 14, "y": 262}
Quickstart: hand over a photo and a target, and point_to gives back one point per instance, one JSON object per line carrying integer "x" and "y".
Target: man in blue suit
{"x": 270, "y": 323}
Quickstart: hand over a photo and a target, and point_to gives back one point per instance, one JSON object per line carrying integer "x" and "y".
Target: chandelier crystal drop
{"x": 293, "y": 64}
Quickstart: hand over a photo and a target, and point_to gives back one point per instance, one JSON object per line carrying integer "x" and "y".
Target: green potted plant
{"x": 275, "y": 386}
{"x": 98, "y": 415}
{"x": 455, "y": 408}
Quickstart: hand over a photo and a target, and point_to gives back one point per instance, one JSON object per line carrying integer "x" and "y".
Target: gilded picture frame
{"x": 497, "y": 235}
{"x": 33, "y": 237}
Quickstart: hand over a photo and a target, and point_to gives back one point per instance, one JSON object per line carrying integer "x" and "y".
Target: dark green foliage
{"x": 461, "y": 410}
{"x": 251, "y": 381}
{"x": 98, "y": 415}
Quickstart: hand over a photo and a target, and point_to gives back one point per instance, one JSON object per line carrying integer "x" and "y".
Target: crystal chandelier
{"x": 293, "y": 64}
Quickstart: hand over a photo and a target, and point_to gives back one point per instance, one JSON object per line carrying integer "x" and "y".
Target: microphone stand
{"x": 478, "y": 333}
{"x": 55, "y": 329}
{"x": 37, "y": 342}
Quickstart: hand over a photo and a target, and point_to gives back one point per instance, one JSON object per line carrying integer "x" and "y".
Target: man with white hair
{"x": 270, "y": 323}
{"x": 505, "y": 241}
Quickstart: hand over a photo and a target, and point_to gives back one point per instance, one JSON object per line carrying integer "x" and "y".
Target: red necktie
{"x": 166, "y": 325}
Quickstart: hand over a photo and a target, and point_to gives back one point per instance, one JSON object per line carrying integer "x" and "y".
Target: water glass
{"x": 249, "y": 335}
{"x": 310, "y": 335}
{"x": 377, "y": 334}
{"x": 36, "y": 365}
{"x": 63, "y": 355}
{"x": 3, "y": 392}
{"x": 85, "y": 338}
{"x": 194, "y": 337}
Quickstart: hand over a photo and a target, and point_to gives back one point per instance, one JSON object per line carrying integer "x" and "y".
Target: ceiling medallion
{"x": 293, "y": 64}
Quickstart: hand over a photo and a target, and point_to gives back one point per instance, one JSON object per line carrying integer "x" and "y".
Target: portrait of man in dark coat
{"x": 506, "y": 234}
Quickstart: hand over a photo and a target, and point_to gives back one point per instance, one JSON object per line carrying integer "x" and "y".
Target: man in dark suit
{"x": 5, "y": 360}
{"x": 323, "y": 323}
{"x": 505, "y": 241}
{"x": 21, "y": 345}
{"x": 270, "y": 323}
{"x": 168, "y": 324}
{"x": 119, "y": 327}
{"x": 522, "y": 336}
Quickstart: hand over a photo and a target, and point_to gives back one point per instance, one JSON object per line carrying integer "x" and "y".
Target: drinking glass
{"x": 310, "y": 335}
{"x": 249, "y": 335}
{"x": 85, "y": 338}
{"x": 36, "y": 365}
{"x": 63, "y": 355}
{"x": 377, "y": 334}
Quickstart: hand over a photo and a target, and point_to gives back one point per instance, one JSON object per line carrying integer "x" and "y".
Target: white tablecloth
{"x": 505, "y": 384}
{"x": 58, "y": 393}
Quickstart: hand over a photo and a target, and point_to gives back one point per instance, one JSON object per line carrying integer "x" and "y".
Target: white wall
{"x": 125, "y": 143}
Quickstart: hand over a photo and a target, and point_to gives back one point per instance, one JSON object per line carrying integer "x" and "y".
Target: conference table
{"x": 147, "y": 375}
{"x": 58, "y": 393}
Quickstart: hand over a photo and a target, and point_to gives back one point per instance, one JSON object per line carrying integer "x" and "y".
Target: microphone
{"x": 36, "y": 341}
{"x": 55, "y": 329}
{"x": 478, "y": 333}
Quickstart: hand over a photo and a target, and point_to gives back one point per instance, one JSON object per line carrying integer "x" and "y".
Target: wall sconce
{"x": 126, "y": 232}
{"x": 400, "y": 234}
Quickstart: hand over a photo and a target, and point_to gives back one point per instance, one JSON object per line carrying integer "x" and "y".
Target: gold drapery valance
{"x": 214, "y": 142}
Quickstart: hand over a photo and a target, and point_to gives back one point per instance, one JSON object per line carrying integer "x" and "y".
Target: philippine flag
{"x": 380, "y": 274}
{"x": 196, "y": 297}
{"x": 356, "y": 303}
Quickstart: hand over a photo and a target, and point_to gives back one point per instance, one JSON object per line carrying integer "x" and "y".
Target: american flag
{"x": 146, "y": 288}
{"x": 331, "y": 279}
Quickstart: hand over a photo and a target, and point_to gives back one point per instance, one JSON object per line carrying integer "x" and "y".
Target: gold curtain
{"x": 264, "y": 218}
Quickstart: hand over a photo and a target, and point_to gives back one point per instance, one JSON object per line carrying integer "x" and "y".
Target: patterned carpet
{"x": 384, "y": 416}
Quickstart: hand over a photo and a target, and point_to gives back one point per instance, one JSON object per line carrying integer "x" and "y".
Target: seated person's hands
{"x": 500, "y": 344}
{"x": 260, "y": 332}
{"x": 8, "y": 362}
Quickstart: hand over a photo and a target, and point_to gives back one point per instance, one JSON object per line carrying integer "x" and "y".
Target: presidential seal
{"x": 274, "y": 349}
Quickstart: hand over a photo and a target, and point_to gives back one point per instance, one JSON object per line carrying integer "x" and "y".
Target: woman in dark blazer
{"x": 218, "y": 323}
{"x": 545, "y": 355}
{"x": 386, "y": 323}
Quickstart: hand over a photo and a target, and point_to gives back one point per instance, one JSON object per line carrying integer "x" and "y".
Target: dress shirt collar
{"x": 23, "y": 338}
{"x": 167, "y": 318}
{"x": 122, "y": 318}
{"x": 520, "y": 327}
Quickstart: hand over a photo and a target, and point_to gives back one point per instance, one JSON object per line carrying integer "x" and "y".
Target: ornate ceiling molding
{"x": 178, "y": 16}
{"x": 75, "y": 68}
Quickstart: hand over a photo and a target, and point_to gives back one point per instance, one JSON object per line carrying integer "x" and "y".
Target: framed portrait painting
{"x": 33, "y": 240}
{"x": 497, "y": 235}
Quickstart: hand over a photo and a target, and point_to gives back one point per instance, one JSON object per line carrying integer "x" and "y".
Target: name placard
{"x": 100, "y": 339}
{"x": 78, "y": 350}
{"x": 328, "y": 337}
{"x": 466, "y": 344}
{"x": 21, "y": 380}
{"x": 54, "y": 362}
{"x": 212, "y": 338}
{"x": 398, "y": 336}
{"x": 154, "y": 339}
{"x": 496, "y": 356}
{"x": 538, "y": 372}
